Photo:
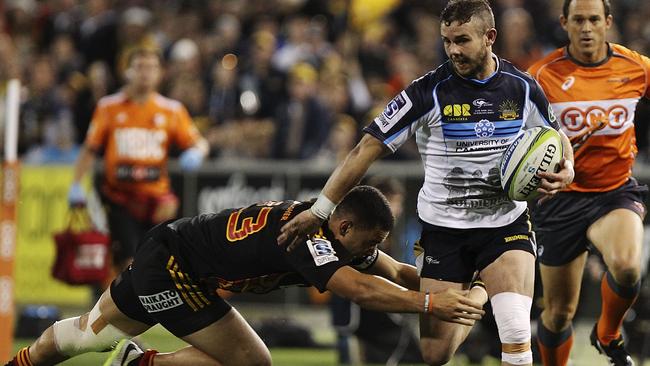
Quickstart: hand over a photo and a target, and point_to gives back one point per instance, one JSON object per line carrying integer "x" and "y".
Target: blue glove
{"x": 191, "y": 159}
{"x": 76, "y": 195}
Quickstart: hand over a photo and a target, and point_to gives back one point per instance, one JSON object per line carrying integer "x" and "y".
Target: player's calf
{"x": 512, "y": 315}
{"x": 90, "y": 332}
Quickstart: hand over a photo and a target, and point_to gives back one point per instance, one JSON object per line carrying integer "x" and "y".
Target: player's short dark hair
{"x": 462, "y": 11}
{"x": 368, "y": 207}
{"x": 607, "y": 4}
{"x": 143, "y": 51}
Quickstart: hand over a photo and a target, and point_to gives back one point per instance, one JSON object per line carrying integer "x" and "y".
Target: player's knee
{"x": 438, "y": 355}
{"x": 86, "y": 333}
{"x": 561, "y": 316}
{"x": 436, "y": 358}
{"x": 512, "y": 315}
{"x": 626, "y": 271}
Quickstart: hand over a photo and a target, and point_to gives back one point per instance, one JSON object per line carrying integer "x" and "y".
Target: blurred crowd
{"x": 284, "y": 79}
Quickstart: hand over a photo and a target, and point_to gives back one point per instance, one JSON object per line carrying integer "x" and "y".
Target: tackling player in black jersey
{"x": 181, "y": 264}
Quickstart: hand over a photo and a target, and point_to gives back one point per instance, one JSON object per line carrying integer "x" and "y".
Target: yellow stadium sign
{"x": 42, "y": 210}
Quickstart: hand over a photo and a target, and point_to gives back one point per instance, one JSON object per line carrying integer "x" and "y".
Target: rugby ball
{"x": 533, "y": 151}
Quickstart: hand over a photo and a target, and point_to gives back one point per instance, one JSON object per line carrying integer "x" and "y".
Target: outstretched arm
{"x": 379, "y": 294}
{"x": 402, "y": 274}
{"x": 344, "y": 178}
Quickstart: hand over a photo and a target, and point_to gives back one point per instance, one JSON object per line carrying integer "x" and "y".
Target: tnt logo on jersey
{"x": 322, "y": 251}
{"x": 394, "y": 111}
{"x": 161, "y": 301}
{"x": 597, "y": 117}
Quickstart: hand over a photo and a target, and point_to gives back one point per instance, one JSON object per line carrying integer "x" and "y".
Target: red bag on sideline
{"x": 82, "y": 252}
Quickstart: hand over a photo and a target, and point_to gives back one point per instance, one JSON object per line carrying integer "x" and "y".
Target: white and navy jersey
{"x": 462, "y": 128}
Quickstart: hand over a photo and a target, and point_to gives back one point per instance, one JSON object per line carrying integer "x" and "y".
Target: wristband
{"x": 427, "y": 302}
{"x": 323, "y": 207}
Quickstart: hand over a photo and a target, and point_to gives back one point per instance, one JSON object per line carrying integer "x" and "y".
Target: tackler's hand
{"x": 552, "y": 183}
{"x": 454, "y": 306}
{"x": 298, "y": 228}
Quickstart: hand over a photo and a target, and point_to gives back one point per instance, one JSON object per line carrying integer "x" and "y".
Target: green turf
{"x": 160, "y": 339}
{"x": 163, "y": 341}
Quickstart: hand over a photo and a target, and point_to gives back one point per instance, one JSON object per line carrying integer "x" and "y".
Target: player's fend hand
{"x": 454, "y": 306}
{"x": 294, "y": 231}
{"x": 552, "y": 183}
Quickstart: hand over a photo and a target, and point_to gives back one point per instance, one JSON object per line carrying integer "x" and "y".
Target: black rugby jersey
{"x": 462, "y": 128}
{"x": 236, "y": 249}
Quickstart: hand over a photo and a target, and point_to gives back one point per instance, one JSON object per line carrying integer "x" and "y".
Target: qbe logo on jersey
{"x": 322, "y": 251}
{"x": 161, "y": 301}
{"x": 395, "y": 110}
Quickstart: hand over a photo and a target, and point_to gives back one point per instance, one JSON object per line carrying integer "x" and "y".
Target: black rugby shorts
{"x": 561, "y": 223}
{"x": 455, "y": 254}
{"x": 160, "y": 288}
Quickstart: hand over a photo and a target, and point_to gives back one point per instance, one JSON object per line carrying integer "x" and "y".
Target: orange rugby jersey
{"x": 136, "y": 138}
{"x": 595, "y": 105}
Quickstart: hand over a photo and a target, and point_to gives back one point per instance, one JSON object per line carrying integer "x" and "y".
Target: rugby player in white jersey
{"x": 463, "y": 114}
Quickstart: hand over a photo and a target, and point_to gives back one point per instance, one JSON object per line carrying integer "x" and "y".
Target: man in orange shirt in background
{"x": 135, "y": 129}
{"x": 594, "y": 87}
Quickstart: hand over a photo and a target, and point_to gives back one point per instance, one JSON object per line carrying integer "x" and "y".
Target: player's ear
{"x": 609, "y": 21}
{"x": 563, "y": 21}
{"x": 345, "y": 227}
{"x": 491, "y": 37}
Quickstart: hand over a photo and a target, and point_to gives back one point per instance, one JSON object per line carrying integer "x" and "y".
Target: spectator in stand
{"x": 302, "y": 122}
{"x": 517, "y": 43}
{"x": 96, "y": 84}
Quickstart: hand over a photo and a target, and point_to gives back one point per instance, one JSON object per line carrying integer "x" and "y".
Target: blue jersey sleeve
{"x": 540, "y": 112}
{"x": 403, "y": 114}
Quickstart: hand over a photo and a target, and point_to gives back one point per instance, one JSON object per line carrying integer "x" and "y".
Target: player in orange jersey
{"x": 135, "y": 129}
{"x": 593, "y": 87}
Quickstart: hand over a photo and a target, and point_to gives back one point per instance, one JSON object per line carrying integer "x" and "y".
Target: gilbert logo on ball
{"x": 534, "y": 151}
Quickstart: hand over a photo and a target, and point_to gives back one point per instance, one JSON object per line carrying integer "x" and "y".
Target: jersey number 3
{"x": 237, "y": 231}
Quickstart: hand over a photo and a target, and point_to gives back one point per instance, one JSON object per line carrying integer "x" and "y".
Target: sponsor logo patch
{"x": 159, "y": 120}
{"x": 481, "y": 103}
{"x": 484, "y": 128}
{"x": 508, "y": 239}
{"x": 568, "y": 83}
{"x": 457, "y": 110}
{"x": 430, "y": 260}
{"x": 619, "y": 80}
{"x": 509, "y": 110}
{"x": 161, "y": 301}
{"x": 395, "y": 110}
{"x": 551, "y": 114}
{"x": 322, "y": 251}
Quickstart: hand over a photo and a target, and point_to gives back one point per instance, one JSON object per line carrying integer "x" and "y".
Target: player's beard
{"x": 474, "y": 66}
